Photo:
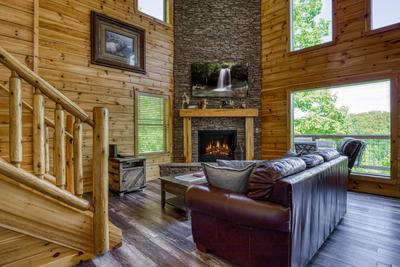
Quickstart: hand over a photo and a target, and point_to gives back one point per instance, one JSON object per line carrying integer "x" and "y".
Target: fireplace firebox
{"x": 216, "y": 144}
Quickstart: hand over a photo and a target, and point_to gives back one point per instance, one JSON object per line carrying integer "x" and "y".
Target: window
{"x": 384, "y": 13}
{"x": 154, "y": 8}
{"x": 311, "y": 23}
{"x": 151, "y": 124}
{"x": 323, "y": 117}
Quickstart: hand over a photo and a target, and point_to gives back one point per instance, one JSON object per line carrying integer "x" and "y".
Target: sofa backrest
{"x": 317, "y": 198}
{"x": 282, "y": 191}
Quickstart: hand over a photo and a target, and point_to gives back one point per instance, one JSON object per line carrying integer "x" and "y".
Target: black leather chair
{"x": 352, "y": 148}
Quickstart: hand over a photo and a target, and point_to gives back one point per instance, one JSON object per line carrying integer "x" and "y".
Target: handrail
{"x": 48, "y": 122}
{"x": 44, "y": 187}
{"x": 333, "y": 136}
{"x": 47, "y": 89}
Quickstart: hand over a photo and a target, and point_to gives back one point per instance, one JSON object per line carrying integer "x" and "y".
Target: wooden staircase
{"x": 44, "y": 221}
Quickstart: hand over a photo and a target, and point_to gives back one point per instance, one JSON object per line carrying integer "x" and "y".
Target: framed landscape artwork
{"x": 219, "y": 79}
{"x": 117, "y": 44}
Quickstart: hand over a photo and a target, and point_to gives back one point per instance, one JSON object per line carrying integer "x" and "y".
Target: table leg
{"x": 162, "y": 196}
{"x": 188, "y": 215}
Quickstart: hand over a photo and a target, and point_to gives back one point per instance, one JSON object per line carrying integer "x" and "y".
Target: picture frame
{"x": 117, "y": 44}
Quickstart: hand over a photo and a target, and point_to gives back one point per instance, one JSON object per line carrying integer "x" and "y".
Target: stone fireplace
{"x": 216, "y": 144}
{"x": 217, "y": 121}
{"x": 203, "y": 33}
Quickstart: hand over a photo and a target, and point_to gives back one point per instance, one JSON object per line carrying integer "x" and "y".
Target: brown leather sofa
{"x": 286, "y": 230}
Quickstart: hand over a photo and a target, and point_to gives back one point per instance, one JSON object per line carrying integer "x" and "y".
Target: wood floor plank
{"x": 369, "y": 235}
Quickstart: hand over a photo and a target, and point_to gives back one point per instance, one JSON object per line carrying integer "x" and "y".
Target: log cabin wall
{"x": 16, "y": 36}
{"x": 64, "y": 61}
{"x": 355, "y": 56}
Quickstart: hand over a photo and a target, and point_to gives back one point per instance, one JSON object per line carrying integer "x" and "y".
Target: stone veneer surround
{"x": 211, "y": 30}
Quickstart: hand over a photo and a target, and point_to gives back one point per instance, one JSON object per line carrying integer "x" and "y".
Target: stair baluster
{"x": 59, "y": 147}
{"x": 47, "y": 151}
{"x": 70, "y": 155}
{"x": 15, "y": 120}
{"x": 39, "y": 141}
{"x": 78, "y": 159}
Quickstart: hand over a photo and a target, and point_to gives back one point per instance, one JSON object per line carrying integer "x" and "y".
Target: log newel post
{"x": 15, "y": 120}
{"x": 78, "y": 158}
{"x": 100, "y": 180}
{"x": 59, "y": 147}
{"x": 39, "y": 135}
{"x": 70, "y": 155}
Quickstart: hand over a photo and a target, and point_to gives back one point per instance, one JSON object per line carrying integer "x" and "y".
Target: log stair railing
{"x": 65, "y": 184}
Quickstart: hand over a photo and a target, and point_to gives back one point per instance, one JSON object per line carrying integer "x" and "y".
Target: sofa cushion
{"x": 262, "y": 180}
{"x": 235, "y": 180}
{"x": 328, "y": 154}
{"x": 312, "y": 160}
{"x": 239, "y": 164}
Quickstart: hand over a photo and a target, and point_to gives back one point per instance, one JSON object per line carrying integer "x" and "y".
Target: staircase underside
{"x": 21, "y": 250}
{"x": 38, "y": 231}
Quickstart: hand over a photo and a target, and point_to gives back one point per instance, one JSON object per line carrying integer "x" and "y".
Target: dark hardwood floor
{"x": 369, "y": 235}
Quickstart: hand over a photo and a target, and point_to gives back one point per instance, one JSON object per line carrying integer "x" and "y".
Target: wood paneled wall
{"x": 64, "y": 61}
{"x": 355, "y": 56}
{"x": 16, "y": 35}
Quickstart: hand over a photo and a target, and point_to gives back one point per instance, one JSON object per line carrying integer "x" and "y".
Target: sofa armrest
{"x": 238, "y": 208}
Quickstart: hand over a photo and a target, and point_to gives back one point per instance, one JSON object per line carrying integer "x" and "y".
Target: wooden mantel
{"x": 188, "y": 114}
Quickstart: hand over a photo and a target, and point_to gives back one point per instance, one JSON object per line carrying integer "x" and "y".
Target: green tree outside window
{"x": 151, "y": 133}
{"x": 309, "y": 27}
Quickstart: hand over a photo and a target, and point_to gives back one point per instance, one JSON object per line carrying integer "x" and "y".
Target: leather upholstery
{"x": 286, "y": 230}
{"x": 243, "y": 210}
{"x": 353, "y": 149}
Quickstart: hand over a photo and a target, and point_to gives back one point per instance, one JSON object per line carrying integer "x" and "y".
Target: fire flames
{"x": 216, "y": 148}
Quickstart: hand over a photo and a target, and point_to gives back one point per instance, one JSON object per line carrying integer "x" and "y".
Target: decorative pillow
{"x": 328, "y": 154}
{"x": 239, "y": 164}
{"x": 235, "y": 180}
{"x": 312, "y": 160}
{"x": 261, "y": 182}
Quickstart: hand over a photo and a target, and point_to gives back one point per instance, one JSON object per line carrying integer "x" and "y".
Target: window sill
{"x": 153, "y": 154}
{"x": 311, "y": 48}
{"x": 393, "y": 27}
{"x": 372, "y": 178}
{"x": 155, "y": 20}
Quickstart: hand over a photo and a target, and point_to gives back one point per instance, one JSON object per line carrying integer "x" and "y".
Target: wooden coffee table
{"x": 169, "y": 184}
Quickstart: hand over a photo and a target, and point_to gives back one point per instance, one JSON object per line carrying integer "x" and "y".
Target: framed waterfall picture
{"x": 219, "y": 79}
{"x": 117, "y": 44}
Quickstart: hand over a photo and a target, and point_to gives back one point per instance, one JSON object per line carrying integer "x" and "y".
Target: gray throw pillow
{"x": 312, "y": 160}
{"x": 328, "y": 154}
{"x": 235, "y": 180}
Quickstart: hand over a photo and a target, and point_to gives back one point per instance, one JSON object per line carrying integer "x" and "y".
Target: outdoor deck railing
{"x": 375, "y": 159}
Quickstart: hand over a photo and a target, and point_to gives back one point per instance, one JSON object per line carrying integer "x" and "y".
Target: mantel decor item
{"x": 185, "y": 100}
{"x": 117, "y": 44}
{"x": 203, "y": 103}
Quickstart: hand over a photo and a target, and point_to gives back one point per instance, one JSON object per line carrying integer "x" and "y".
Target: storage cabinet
{"x": 127, "y": 174}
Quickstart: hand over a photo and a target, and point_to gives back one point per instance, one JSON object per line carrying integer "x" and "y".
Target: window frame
{"x": 167, "y": 12}
{"x": 394, "y": 87}
{"x": 368, "y": 21}
{"x": 315, "y": 47}
{"x": 166, "y": 123}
